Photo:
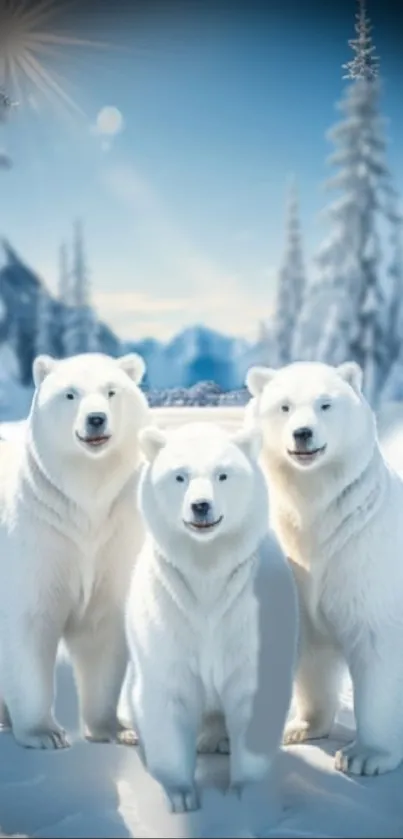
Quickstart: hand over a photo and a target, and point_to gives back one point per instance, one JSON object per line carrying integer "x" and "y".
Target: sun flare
{"x": 29, "y": 42}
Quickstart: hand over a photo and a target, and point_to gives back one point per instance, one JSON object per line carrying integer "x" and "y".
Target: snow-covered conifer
{"x": 291, "y": 284}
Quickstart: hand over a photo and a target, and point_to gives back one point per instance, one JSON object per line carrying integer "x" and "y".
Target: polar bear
{"x": 192, "y": 614}
{"x": 337, "y": 509}
{"x": 69, "y": 533}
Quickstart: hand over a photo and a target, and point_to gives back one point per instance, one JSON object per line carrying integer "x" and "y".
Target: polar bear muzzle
{"x": 96, "y": 435}
{"x": 202, "y": 512}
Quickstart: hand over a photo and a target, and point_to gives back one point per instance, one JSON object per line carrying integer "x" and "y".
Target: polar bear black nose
{"x": 200, "y": 508}
{"x": 96, "y": 421}
{"x": 302, "y": 435}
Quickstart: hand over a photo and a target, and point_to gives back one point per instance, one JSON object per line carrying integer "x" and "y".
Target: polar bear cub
{"x": 192, "y": 614}
{"x": 69, "y": 533}
{"x": 337, "y": 508}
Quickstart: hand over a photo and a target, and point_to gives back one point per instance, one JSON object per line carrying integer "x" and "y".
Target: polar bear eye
{"x": 325, "y": 406}
{"x": 180, "y": 479}
{"x": 285, "y": 408}
{"x": 70, "y": 395}
{"x": 111, "y": 393}
{"x": 222, "y": 476}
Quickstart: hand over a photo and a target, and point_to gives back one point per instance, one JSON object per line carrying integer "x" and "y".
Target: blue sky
{"x": 183, "y": 207}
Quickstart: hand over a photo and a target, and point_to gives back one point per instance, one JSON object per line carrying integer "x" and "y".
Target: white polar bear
{"x": 192, "y": 614}
{"x": 69, "y": 533}
{"x": 337, "y": 508}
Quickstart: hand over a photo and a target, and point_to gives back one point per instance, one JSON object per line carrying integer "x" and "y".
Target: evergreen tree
{"x": 67, "y": 312}
{"x": 82, "y": 330}
{"x": 349, "y": 262}
{"x": 393, "y": 387}
{"x": 291, "y": 284}
{"x": 395, "y": 274}
{"x": 64, "y": 276}
{"x": 80, "y": 273}
{"x": 266, "y": 345}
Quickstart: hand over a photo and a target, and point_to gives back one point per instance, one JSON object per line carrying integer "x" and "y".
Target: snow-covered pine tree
{"x": 82, "y": 330}
{"x": 80, "y": 273}
{"x": 67, "y": 314}
{"x": 266, "y": 345}
{"x": 64, "y": 288}
{"x": 291, "y": 284}
{"x": 393, "y": 387}
{"x": 369, "y": 338}
{"x": 43, "y": 322}
{"x": 349, "y": 262}
{"x": 395, "y": 276}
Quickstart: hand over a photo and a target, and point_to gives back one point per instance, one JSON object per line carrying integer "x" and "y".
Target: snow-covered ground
{"x": 102, "y": 790}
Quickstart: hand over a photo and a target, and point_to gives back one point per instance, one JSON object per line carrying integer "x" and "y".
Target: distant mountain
{"x": 19, "y": 287}
{"x": 197, "y": 354}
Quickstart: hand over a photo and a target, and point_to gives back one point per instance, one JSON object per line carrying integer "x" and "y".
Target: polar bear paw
{"x": 184, "y": 800}
{"x": 355, "y": 759}
{"x": 298, "y": 731}
{"x": 127, "y": 737}
{"x": 251, "y": 769}
{"x": 47, "y": 738}
{"x": 114, "y": 733}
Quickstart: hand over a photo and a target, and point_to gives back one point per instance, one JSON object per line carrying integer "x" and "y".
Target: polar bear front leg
{"x": 27, "y": 684}
{"x": 377, "y": 676}
{"x": 100, "y": 656}
{"x": 167, "y": 727}
{"x": 316, "y": 691}
{"x": 245, "y": 766}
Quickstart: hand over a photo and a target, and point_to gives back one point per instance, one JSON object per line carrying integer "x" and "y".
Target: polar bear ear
{"x": 42, "y": 366}
{"x": 249, "y": 440}
{"x": 134, "y": 365}
{"x": 351, "y": 373}
{"x": 152, "y": 440}
{"x": 257, "y": 378}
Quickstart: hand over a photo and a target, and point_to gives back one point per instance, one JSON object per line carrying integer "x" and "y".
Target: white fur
{"x": 192, "y": 613}
{"x": 69, "y": 533}
{"x": 340, "y": 521}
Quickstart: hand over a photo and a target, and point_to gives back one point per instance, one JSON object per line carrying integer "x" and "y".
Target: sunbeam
{"x": 28, "y": 37}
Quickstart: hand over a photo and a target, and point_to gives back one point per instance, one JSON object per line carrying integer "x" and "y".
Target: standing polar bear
{"x": 69, "y": 533}
{"x": 192, "y": 614}
{"x": 337, "y": 509}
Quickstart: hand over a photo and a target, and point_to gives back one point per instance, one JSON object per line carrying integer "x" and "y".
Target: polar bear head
{"x": 87, "y": 406}
{"x": 310, "y": 414}
{"x": 201, "y": 485}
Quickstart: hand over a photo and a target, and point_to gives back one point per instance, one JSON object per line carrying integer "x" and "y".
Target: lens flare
{"x": 28, "y": 39}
